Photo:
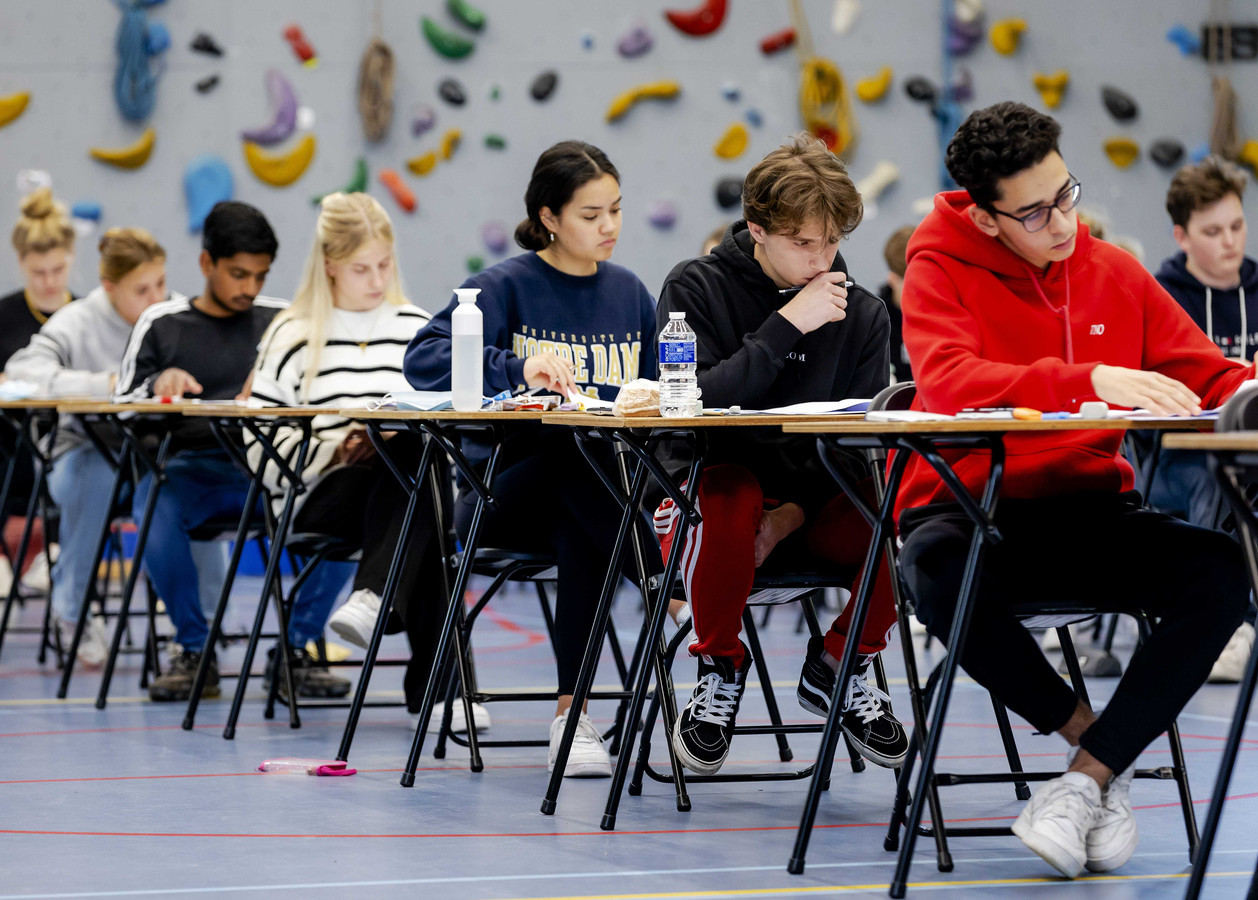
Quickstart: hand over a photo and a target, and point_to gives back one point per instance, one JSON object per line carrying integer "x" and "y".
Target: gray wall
{"x": 62, "y": 51}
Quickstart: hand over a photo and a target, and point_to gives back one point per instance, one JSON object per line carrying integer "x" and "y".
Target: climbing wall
{"x": 664, "y": 147}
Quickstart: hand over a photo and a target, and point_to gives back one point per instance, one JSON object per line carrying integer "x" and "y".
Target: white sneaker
{"x": 356, "y": 619}
{"x": 1050, "y": 641}
{"x": 38, "y": 576}
{"x": 587, "y": 758}
{"x": 458, "y": 722}
{"x": 1113, "y": 838}
{"x": 93, "y": 646}
{"x": 1229, "y": 668}
{"x": 1056, "y": 821}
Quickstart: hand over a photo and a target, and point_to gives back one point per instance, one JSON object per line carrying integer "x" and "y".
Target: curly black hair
{"x": 998, "y": 142}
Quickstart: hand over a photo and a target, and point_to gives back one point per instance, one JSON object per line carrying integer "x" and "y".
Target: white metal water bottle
{"x": 679, "y": 383}
{"x": 467, "y": 352}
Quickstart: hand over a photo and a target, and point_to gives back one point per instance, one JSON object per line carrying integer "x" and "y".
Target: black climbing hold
{"x": 1166, "y": 152}
{"x": 544, "y": 85}
{"x": 452, "y": 92}
{"x": 1119, "y": 103}
{"x": 729, "y": 192}
{"x": 207, "y": 84}
{"x": 920, "y": 89}
{"x": 203, "y": 43}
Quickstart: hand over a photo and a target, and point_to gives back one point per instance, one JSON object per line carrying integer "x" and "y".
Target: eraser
{"x": 1094, "y": 409}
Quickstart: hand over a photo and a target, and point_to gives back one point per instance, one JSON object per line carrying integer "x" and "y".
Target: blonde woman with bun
{"x": 340, "y": 344}
{"x": 77, "y": 353}
{"x": 44, "y": 240}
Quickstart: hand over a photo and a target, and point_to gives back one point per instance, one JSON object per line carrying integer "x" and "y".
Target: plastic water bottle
{"x": 467, "y": 352}
{"x": 679, "y": 383}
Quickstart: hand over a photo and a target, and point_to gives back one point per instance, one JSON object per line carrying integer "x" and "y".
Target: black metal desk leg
{"x": 10, "y": 469}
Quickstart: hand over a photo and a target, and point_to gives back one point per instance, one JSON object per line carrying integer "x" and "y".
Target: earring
{"x": 552, "y": 236}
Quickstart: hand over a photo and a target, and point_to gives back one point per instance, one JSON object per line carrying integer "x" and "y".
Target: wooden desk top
{"x": 106, "y": 406}
{"x": 590, "y": 420}
{"x": 445, "y": 415}
{"x": 33, "y": 403}
{"x": 1229, "y": 440}
{"x": 232, "y": 410}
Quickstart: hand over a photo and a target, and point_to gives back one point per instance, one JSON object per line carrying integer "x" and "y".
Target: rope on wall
{"x": 1225, "y": 139}
{"x": 824, "y": 103}
{"x": 375, "y": 85}
{"x": 135, "y": 81}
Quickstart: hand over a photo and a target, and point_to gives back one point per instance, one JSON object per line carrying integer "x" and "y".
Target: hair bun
{"x": 38, "y": 204}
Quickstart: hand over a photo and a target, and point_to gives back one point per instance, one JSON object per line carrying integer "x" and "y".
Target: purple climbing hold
{"x": 963, "y": 37}
{"x": 423, "y": 117}
{"x": 731, "y": 92}
{"x": 663, "y": 215}
{"x": 495, "y": 237}
{"x": 634, "y": 43}
{"x": 962, "y": 85}
{"x": 754, "y": 117}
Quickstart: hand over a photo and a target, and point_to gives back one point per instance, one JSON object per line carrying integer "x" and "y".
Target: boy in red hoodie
{"x": 1008, "y": 301}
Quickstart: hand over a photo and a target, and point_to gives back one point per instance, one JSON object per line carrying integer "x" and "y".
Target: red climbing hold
{"x": 699, "y": 21}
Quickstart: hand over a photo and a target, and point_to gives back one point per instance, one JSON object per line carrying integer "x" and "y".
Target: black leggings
{"x": 365, "y": 505}
{"x": 552, "y": 502}
{"x": 1094, "y": 548}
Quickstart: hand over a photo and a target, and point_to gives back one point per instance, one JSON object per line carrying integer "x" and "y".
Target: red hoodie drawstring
{"x": 1063, "y": 310}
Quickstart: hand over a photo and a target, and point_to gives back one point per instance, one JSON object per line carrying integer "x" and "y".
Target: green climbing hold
{"x": 446, "y": 43}
{"x": 494, "y": 93}
{"x": 469, "y": 15}
{"x": 475, "y": 264}
{"x": 357, "y": 184}
{"x": 495, "y": 142}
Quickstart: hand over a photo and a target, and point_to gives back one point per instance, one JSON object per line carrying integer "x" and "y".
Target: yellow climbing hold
{"x": 280, "y": 169}
{"x": 12, "y": 106}
{"x": 1249, "y": 155}
{"x": 1122, "y": 151}
{"x": 422, "y": 165}
{"x": 871, "y": 90}
{"x": 733, "y": 142}
{"x": 1007, "y": 34}
{"x": 450, "y": 141}
{"x": 1051, "y": 87}
{"x": 651, "y": 90}
{"x": 131, "y": 156}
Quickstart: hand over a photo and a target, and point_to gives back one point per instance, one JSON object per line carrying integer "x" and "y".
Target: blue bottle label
{"x": 677, "y": 352}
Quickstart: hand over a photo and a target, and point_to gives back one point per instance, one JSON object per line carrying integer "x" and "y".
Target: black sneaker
{"x": 867, "y": 720}
{"x": 176, "y": 683}
{"x": 702, "y": 732}
{"x": 311, "y": 679}
{"x": 816, "y": 680}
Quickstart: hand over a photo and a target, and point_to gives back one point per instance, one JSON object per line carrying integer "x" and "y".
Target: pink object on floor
{"x": 292, "y": 766}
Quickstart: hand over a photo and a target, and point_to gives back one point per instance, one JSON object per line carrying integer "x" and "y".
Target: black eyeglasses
{"x": 1037, "y": 218}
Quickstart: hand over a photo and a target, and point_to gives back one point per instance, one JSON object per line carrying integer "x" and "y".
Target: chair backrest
{"x": 1240, "y": 413}
{"x": 896, "y": 396}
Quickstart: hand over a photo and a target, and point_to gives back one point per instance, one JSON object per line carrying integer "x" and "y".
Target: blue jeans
{"x": 79, "y": 483}
{"x": 1183, "y": 486}
{"x": 315, "y": 600}
{"x": 201, "y": 485}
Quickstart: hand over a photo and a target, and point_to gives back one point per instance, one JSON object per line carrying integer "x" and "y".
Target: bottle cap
{"x": 676, "y": 315}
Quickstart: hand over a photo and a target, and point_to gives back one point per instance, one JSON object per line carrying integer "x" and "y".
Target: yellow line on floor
{"x": 878, "y": 886}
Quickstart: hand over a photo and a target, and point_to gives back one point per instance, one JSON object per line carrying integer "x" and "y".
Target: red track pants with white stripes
{"x": 718, "y": 564}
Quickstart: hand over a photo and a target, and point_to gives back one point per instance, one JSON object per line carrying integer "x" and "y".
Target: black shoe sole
{"x": 684, "y": 757}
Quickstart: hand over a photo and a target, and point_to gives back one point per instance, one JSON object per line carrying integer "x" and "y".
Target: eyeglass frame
{"x": 1075, "y": 188}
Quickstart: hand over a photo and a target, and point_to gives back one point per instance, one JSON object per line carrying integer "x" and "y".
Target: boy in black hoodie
{"x": 778, "y": 323}
{"x": 1217, "y": 284}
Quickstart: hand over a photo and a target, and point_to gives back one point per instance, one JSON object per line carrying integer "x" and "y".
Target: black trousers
{"x": 364, "y": 505}
{"x": 550, "y": 501}
{"x": 1098, "y": 549}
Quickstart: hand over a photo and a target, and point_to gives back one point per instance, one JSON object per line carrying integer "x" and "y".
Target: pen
{"x": 800, "y": 287}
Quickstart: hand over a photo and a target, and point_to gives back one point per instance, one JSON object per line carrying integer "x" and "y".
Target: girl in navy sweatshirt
{"x": 563, "y": 318}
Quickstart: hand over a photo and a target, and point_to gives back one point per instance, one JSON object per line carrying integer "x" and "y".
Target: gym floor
{"x": 121, "y": 802}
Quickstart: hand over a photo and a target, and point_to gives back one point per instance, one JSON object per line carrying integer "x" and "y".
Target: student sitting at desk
{"x": 1009, "y": 302}
{"x": 204, "y": 347}
{"x": 76, "y": 354}
{"x": 764, "y": 342}
{"x": 340, "y": 344}
{"x": 559, "y": 317}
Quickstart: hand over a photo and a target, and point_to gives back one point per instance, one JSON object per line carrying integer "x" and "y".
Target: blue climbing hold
{"x": 587, "y": 40}
{"x": 206, "y": 181}
{"x": 156, "y": 39}
{"x": 88, "y": 210}
{"x": 1188, "y": 42}
{"x": 731, "y": 92}
{"x": 663, "y": 215}
{"x": 754, "y": 117}
{"x": 1199, "y": 152}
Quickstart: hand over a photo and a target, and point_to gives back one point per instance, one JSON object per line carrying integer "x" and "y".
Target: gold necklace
{"x": 364, "y": 341}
